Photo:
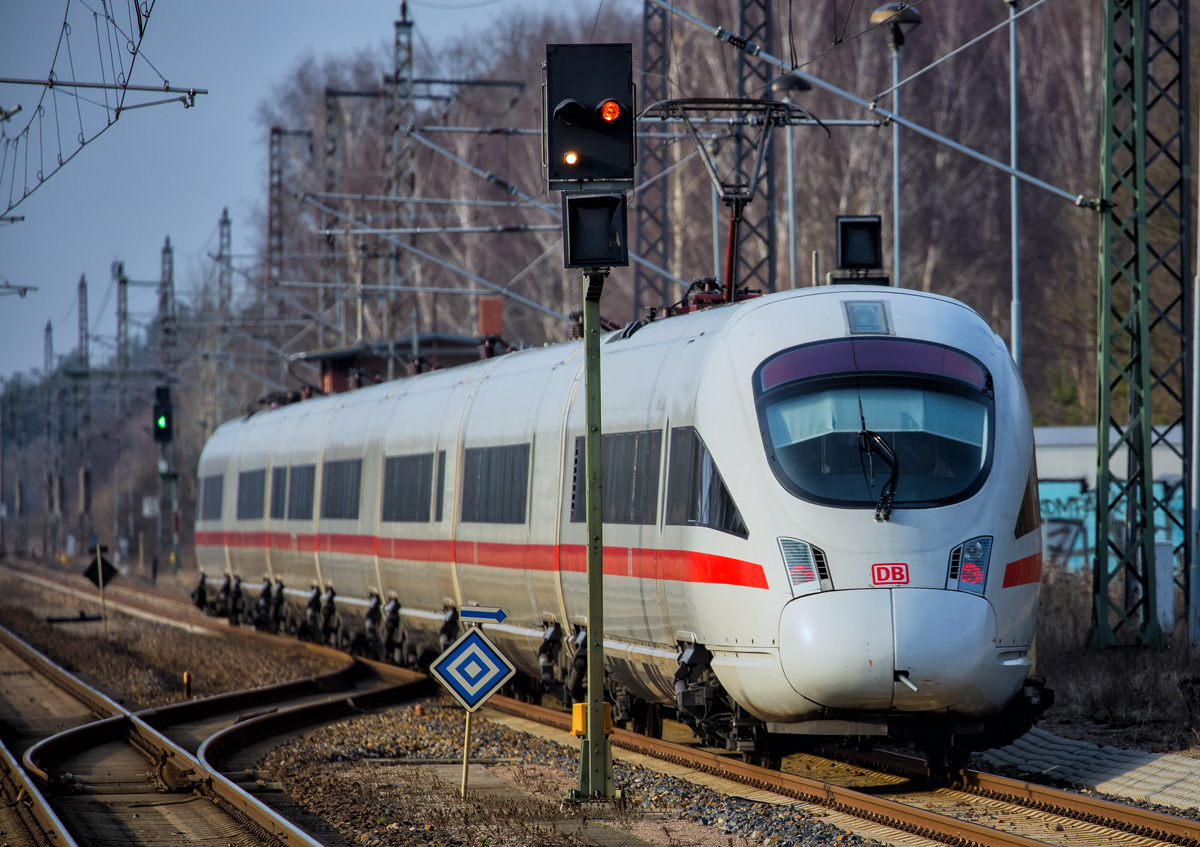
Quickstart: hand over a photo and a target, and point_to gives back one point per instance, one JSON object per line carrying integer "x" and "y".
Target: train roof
{"x": 710, "y": 322}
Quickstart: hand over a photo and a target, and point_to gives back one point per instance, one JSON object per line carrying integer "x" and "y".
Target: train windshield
{"x": 877, "y": 423}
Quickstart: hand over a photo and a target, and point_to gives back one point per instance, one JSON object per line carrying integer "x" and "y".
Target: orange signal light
{"x": 571, "y": 157}
{"x": 610, "y": 110}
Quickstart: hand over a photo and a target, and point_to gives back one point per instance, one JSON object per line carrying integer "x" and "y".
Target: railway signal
{"x": 589, "y": 157}
{"x": 163, "y": 425}
{"x": 594, "y": 230}
{"x": 589, "y": 115}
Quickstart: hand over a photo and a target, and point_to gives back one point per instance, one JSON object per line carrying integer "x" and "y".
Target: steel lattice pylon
{"x": 756, "y": 236}
{"x": 399, "y": 166}
{"x": 756, "y": 233}
{"x": 652, "y": 232}
{"x": 1145, "y": 314}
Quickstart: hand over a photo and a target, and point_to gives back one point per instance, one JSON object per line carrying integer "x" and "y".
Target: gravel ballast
{"x": 389, "y": 765}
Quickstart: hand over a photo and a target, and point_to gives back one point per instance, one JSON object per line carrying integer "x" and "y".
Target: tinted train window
{"x": 301, "y": 484}
{"x": 1029, "y": 517}
{"x": 341, "y": 484}
{"x": 823, "y": 409}
{"x": 629, "y": 464}
{"x": 495, "y": 483}
{"x": 407, "y": 487}
{"x": 210, "y": 498}
{"x": 278, "y": 493}
{"x": 696, "y": 493}
{"x": 252, "y": 487}
{"x": 441, "y": 484}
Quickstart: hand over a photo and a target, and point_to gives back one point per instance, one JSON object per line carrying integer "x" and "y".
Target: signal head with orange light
{"x": 589, "y": 116}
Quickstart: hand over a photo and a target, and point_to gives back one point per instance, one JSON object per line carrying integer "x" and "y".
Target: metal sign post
{"x": 99, "y": 572}
{"x": 100, "y": 584}
{"x": 595, "y": 767}
{"x": 472, "y": 670}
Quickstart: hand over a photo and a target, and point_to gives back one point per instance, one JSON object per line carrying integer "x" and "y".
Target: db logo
{"x": 889, "y": 573}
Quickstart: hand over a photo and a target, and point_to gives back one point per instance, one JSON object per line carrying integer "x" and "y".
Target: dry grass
{"x": 1123, "y": 696}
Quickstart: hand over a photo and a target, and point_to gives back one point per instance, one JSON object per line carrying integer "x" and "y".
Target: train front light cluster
{"x": 806, "y": 567}
{"x": 969, "y": 565}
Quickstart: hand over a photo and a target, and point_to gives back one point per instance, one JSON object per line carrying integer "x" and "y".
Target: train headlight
{"x": 969, "y": 565}
{"x": 805, "y": 565}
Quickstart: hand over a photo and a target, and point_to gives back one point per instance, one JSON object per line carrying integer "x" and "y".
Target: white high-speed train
{"x": 820, "y": 517}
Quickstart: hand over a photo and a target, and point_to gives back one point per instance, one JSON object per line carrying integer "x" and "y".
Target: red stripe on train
{"x": 640, "y": 563}
{"x": 1023, "y": 571}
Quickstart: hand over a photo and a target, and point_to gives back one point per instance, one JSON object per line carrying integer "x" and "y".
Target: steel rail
{"x": 897, "y": 815}
{"x": 1089, "y": 809}
{"x": 99, "y": 703}
{"x": 218, "y": 747}
{"x": 1131, "y": 819}
{"x": 33, "y": 808}
{"x": 174, "y": 767}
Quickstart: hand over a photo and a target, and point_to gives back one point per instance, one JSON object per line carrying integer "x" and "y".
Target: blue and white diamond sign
{"x": 472, "y": 669}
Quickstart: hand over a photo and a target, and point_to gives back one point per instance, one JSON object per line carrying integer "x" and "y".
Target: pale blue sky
{"x": 166, "y": 170}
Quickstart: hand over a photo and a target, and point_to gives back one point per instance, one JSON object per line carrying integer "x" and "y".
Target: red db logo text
{"x": 889, "y": 573}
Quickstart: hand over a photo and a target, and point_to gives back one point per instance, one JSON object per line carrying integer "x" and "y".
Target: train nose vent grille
{"x": 955, "y": 562}
{"x": 805, "y": 563}
{"x": 822, "y": 568}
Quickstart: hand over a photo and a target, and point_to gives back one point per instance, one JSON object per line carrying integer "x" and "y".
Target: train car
{"x": 820, "y": 518}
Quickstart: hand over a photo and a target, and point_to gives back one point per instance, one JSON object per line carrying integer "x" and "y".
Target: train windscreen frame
{"x": 824, "y": 408}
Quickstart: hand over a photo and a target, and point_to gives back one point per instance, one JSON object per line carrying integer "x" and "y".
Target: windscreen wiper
{"x": 871, "y": 442}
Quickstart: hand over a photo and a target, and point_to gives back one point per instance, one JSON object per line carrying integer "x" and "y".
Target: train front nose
{"x": 869, "y": 649}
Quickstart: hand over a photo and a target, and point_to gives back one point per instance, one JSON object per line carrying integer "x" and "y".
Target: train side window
{"x": 1029, "y": 517}
{"x": 278, "y": 493}
{"x": 441, "y": 484}
{"x": 407, "y": 484}
{"x": 341, "y": 486}
{"x": 251, "y": 493}
{"x": 301, "y": 483}
{"x": 630, "y": 462}
{"x": 696, "y": 493}
{"x": 210, "y": 498}
{"x": 495, "y": 483}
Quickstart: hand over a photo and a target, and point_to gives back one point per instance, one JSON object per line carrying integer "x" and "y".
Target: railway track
{"x": 890, "y": 791}
{"x": 896, "y": 792}
{"x": 96, "y": 773}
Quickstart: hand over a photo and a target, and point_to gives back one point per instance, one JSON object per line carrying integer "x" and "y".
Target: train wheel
{"x": 769, "y": 759}
{"x": 944, "y": 761}
{"x": 646, "y": 719}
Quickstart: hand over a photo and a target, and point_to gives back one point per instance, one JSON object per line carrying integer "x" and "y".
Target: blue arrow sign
{"x": 480, "y": 614}
{"x": 472, "y": 669}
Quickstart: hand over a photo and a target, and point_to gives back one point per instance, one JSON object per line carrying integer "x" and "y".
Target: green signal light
{"x": 161, "y": 420}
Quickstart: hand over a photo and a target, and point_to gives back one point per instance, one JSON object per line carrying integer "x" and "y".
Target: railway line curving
{"x": 197, "y": 753}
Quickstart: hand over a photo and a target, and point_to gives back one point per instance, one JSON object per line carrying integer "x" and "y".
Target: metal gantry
{"x": 1145, "y": 391}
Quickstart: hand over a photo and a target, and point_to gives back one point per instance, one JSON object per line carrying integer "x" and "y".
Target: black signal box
{"x": 594, "y": 230}
{"x": 590, "y": 116}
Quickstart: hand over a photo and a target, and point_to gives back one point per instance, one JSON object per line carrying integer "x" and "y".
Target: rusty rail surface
{"x": 911, "y": 819}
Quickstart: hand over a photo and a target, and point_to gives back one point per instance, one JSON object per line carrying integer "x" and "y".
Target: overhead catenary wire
{"x": 1004, "y": 24}
{"x": 753, "y": 49}
{"x": 116, "y": 77}
{"x": 533, "y": 304}
{"x": 516, "y": 192}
